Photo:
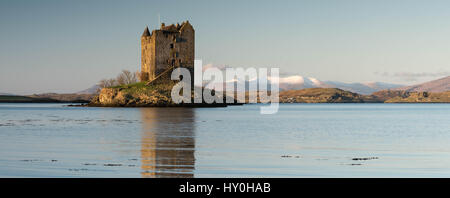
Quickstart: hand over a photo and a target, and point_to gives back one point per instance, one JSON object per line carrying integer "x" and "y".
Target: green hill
{"x": 319, "y": 95}
{"x": 421, "y": 97}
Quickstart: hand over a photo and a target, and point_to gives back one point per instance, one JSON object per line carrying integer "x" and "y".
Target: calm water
{"x": 302, "y": 140}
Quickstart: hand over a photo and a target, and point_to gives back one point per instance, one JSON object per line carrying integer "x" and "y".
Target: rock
{"x": 112, "y": 164}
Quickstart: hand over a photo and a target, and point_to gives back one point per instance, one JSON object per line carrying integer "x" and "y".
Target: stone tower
{"x": 172, "y": 45}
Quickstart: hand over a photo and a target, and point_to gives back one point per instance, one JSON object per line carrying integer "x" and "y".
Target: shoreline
{"x": 192, "y": 105}
{"x": 86, "y": 103}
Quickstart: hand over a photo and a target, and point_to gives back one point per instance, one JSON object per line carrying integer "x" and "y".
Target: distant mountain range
{"x": 439, "y": 85}
{"x": 363, "y": 88}
{"x": 436, "y": 91}
{"x": 298, "y": 82}
{"x": 6, "y": 94}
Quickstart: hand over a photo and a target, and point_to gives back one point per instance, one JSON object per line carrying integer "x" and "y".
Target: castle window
{"x": 171, "y": 46}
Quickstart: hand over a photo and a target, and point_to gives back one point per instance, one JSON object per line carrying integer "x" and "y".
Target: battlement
{"x": 169, "y": 46}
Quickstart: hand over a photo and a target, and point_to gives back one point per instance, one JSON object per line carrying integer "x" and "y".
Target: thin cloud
{"x": 413, "y": 76}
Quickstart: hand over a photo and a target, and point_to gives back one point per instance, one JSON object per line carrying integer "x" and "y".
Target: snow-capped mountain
{"x": 298, "y": 82}
{"x": 362, "y": 88}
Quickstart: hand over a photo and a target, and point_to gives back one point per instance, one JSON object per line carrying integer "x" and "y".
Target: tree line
{"x": 124, "y": 78}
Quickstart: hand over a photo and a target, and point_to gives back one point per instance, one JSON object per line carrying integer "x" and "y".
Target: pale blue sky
{"x": 67, "y": 46}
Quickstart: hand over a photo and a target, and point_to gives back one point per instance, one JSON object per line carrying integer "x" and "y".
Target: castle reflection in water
{"x": 168, "y": 142}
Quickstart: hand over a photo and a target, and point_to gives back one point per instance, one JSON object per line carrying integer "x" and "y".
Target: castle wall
{"x": 186, "y": 47}
{"x": 145, "y": 61}
{"x": 147, "y": 58}
{"x": 163, "y": 50}
{"x": 152, "y": 59}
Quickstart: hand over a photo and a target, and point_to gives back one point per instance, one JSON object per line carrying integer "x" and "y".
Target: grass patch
{"x": 134, "y": 85}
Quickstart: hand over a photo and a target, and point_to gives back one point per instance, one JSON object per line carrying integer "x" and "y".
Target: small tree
{"x": 112, "y": 82}
{"x": 104, "y": 83}
{"x": 126, "y": 77}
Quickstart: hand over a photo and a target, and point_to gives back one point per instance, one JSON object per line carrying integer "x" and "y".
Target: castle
{"x": 165, "y": 48}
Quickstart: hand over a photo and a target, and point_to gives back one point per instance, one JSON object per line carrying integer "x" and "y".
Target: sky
{"x": 67, "y": 46}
